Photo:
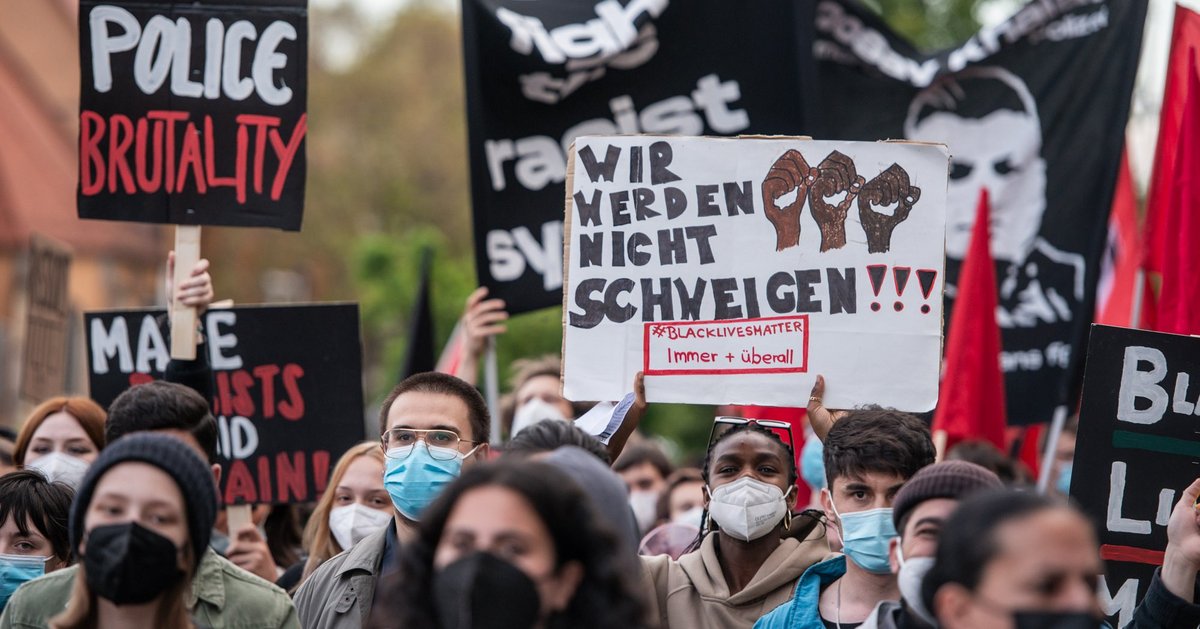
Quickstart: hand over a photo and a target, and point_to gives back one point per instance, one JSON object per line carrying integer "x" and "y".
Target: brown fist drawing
{"x": 835, "y": 174}
{"x": 890, "y": 187}
{"x": 784, "y": 191}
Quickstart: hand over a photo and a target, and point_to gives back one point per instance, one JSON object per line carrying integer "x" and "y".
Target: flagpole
{"x": 1139, "y": 279}
{"x": 491, "y": 388}
{"x": 1056, "y": 428}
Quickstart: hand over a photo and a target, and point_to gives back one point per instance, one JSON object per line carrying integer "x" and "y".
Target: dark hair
{"x": 968, "y": 540}
{"x": 26, "y": 496}
{"x": 638, "y": 454}
{"x": 160, "y": 405}
{"x": 986, "y": 454}
{"x": 662, "y": 509}
{"x": 877, "y": 440}
{"x": 549, "y": 435}
{"x": 443, "y": 384}
{"x": 604, "y": 598}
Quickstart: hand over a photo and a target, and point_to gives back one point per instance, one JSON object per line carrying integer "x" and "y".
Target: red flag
{"x": 1172, "y": 259}
{"x": 1122, "y": 256}
{"x": 971, "y": 403}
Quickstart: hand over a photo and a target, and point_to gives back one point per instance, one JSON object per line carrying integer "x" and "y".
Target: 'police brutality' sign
{"x": 736, "y": 270}
{"x": 193, "y": 112}
{"x": 287, "y": 388}
{"x": 1136, "y": 450}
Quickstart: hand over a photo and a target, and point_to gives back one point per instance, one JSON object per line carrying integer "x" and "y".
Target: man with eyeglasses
{"x": 433, "y": 425}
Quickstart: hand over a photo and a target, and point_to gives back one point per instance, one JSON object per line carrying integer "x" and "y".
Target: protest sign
{"x": 736, "y": 270}
{"x": 193, "y": 112}
{"x": 539, "y": 74}
{"x": 1136, "y": 450}
{"x": 44, "y": 370}
{"x": 287, "y": 388}
{"x": 1024, "y": 107}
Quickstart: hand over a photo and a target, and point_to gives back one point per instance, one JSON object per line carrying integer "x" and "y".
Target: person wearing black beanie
{"x": 140, "y": 521}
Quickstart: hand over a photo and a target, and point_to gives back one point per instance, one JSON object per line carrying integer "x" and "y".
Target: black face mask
{"x": 129, "y": 564}
{"x": 1056, "y": 620}
{"x": 482, "y": 591}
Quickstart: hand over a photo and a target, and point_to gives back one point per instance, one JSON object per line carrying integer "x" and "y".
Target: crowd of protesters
{"x": 111, "y": 518}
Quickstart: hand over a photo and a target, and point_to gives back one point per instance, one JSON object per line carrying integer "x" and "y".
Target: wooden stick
{"x": 237, "y": 517}
{"x": 491, "y": 387}
{"x": 939, "y": 444}
{"x": 183, "y": 320}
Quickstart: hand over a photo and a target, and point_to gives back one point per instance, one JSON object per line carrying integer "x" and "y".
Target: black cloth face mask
{"x": 129, "y": 564}
{"x": 1056, "y": 620}
{"x": 482, "y": 591}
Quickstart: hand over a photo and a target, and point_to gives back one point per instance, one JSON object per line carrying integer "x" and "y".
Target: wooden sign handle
{"x": 183, "y": 319}
{"x": 237, "y": 517}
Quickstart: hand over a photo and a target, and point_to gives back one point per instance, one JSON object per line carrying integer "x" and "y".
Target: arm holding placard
{"x": 482, "y": 319}
{"x": 820, "y": 418}
{"x": 1171, "y": 599}
{"x": 196, "y": 291}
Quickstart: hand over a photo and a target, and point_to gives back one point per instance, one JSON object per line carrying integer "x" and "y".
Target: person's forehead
{"x": 747, "y": 442}
{"x": 363, "y": 472}
{"x": 929, "y": 510}
{"x": 59, "y": 425}
{"x": 539, "y": 385}
{"x": 1051, "y": 539}
{"x": 140, "y": 482}
{"x": 424, "y": 410}
{"x": 492, "y": 511}
{"x": 874, "y": 480}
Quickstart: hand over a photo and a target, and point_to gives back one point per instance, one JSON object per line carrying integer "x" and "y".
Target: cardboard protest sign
{"x": 193, "y": 112}
{"x": 287, "y": 388}
{"x": 736, "y": 270}
{"x": 44, "y": 369}
{"x": 539, "y": 74}
{"x": 1135, "y": 451}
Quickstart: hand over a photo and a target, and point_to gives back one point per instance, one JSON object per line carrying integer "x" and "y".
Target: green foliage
{"x": 931, "y": 24}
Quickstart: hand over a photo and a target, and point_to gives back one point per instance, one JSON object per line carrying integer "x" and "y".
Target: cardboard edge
{"x": 568, "y": 208}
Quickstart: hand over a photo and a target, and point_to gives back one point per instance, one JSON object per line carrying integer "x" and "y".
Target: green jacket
{"x": 223, "y": 596}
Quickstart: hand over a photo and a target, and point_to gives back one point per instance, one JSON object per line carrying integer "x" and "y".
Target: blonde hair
{"x": 318, "y": 539}
{"x": 172, "y": 606}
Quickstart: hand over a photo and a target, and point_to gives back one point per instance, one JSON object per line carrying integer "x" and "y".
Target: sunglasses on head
{"x": 725, "y": 423}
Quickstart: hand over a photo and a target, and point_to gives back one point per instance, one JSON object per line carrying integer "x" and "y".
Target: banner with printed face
{"x": 736, "y": 270}
{"x": 1136, "y": 450}
{"x": 1033, "y": 110}
{"x": 193, "y": 112}
{"x": 541, "y": 73}
{"x": 287, "y": 388}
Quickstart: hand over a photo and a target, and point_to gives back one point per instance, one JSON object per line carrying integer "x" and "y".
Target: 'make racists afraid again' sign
{"x": 736, "y": 270}
{"x": 193, "y": 113}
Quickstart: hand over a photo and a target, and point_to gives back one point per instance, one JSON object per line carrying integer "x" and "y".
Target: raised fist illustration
{"x": 784, "y": 192}
{"x": 891, "y": 187}
{"x": 835, "y": 175}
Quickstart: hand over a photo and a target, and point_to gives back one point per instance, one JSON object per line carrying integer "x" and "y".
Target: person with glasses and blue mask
{"x": 433, "y": 426}
{"x": 869, "y": 455}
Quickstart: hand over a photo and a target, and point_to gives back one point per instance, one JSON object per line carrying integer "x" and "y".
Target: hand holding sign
{"x": 249, "y": 551}
{"x": 1182, "y": 559}
{"x": 197, "y": 292}
{"x": 891, "y": 187}
{"x": 820, "y": 418}
{"x": 835, "y": 175}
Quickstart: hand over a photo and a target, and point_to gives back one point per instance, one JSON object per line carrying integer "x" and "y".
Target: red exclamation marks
{"x": 900, "y": 274}
{"x": 926, "y": 277}
{"x": 876, "y": 273}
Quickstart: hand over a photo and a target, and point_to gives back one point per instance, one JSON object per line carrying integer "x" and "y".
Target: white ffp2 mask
{"x": 59, "y": 467}
{"x": 747, "y": 508}
{"x": 350, "y": 523}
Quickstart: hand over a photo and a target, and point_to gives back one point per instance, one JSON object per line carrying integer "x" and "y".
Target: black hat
{"x": 948, "y": 479}
{"x": 180, "y": 462}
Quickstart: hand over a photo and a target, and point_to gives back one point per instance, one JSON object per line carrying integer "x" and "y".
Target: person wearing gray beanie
{"x": 140, "y": 522}
{"x": 919, "y": 509}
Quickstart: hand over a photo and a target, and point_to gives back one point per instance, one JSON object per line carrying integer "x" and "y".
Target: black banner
{"x": 193, "y": 112}
{"x": 541, "y": 74}
{"x": 1136, "y": 450}
{"x": 1034, "y": 110}
{"x": 287, "y": 389}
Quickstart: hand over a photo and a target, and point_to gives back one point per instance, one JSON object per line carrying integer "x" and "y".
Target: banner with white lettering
{"x": 287, "y": 388}
{"x": 1135, "y": 451}
{"x": 736, "y": 270}
{"x": 541, "y": 73}
{"x": 193, "y": 112}
{"x": 1033, "y": 110}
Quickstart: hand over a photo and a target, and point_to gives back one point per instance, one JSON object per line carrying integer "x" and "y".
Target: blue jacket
{"x": 802, "y": 611}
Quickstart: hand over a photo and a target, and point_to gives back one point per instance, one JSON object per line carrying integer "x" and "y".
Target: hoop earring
{"x": 787, "y": 520}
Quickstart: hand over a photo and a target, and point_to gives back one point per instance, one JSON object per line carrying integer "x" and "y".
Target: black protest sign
{"x": 287, "y": 389}
{"x": 193, "y": 112}
{"x": 1029, "y": 114}
{"x": 541, "y": 74}
{"x": 1136, "y": 450}
{"x": 44, "y": 369}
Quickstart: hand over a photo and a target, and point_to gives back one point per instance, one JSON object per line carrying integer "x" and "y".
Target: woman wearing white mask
{"x": 744, "y": 564}
{"x": 61, "y": 438}
{"x": 354, "y": 505}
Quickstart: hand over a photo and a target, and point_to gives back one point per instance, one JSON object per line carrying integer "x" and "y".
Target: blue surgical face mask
{"x": 15, "y": 570}
{"x": 418, "y": 478}
{"x": 1063, "y": 483}
{"x": 865, "y": 538}
{"x": 812, "y": 463}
